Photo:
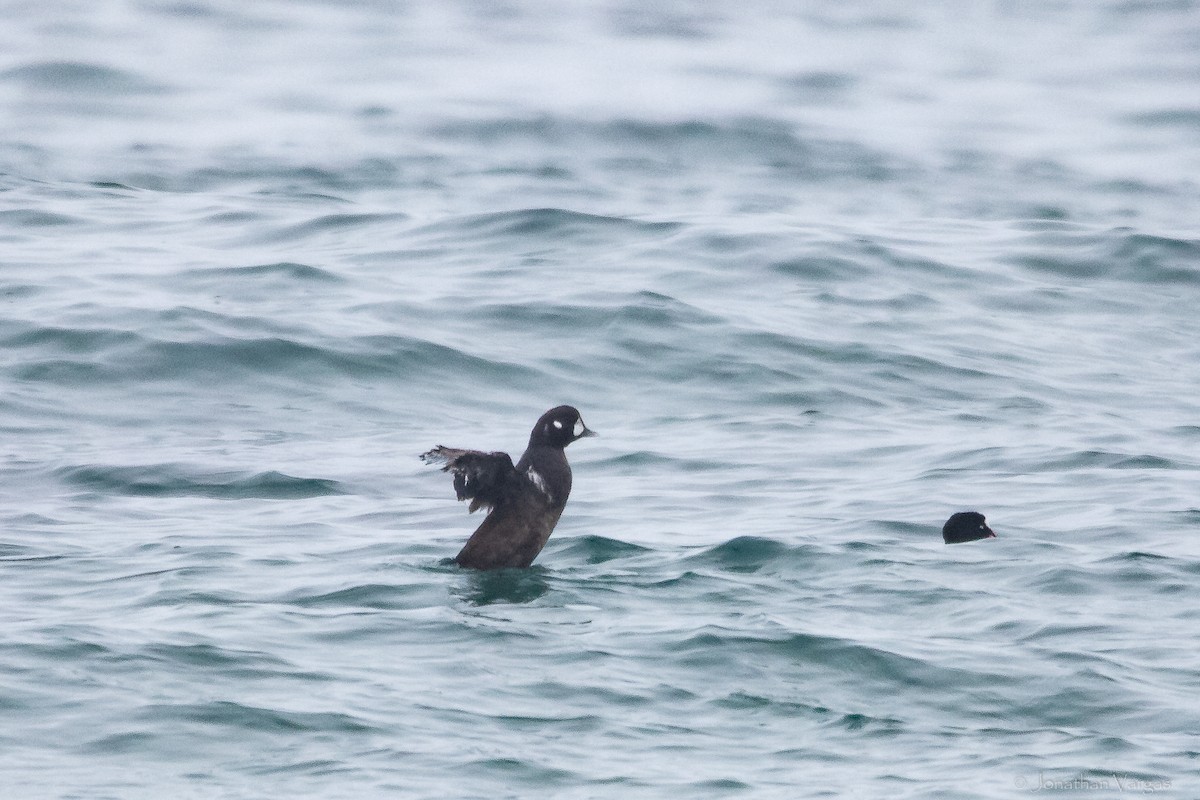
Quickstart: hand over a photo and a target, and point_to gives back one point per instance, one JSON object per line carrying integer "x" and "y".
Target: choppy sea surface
{"x": 819, "y": 274}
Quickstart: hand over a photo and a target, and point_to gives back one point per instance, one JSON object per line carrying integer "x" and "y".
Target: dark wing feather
{"x": 481, "y": 477}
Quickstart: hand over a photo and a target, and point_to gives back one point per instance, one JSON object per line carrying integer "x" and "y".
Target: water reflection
{"x": 485, "y": 587}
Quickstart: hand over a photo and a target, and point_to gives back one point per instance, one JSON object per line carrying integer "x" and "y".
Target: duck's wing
{"x": 480, "y": 477}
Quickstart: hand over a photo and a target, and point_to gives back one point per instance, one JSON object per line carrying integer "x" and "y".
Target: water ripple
{"x": 174, "y": 480}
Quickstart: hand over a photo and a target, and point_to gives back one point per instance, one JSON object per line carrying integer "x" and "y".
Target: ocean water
{"x": 819, "y": 274}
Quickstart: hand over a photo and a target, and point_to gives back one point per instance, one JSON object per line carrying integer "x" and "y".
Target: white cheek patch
{"x": 579, "y": 428}
{"x": 539, "y": 483}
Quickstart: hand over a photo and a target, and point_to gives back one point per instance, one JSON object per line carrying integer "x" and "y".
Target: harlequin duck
{"x": 524, "y": 502}
{"x": 966, "y": 526}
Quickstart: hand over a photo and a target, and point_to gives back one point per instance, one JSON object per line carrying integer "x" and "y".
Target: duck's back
{"x": 518, "y": 526}
{"x": 510, "y": 536}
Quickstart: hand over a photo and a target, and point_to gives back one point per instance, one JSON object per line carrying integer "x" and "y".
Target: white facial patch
{"x": 535, "y": 478}
{"x": 579, "y": 428}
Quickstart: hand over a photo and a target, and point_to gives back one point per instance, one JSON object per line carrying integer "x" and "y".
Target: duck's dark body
{"x": 524, "y": 501}
{"x": 966, "y": 526}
